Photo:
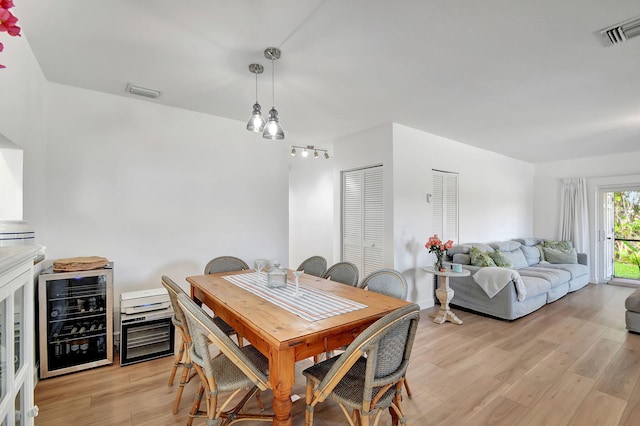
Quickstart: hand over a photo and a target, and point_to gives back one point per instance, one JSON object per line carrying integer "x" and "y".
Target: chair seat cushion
{"x": 229, "y": 377}
{"x": 349, "y": 391}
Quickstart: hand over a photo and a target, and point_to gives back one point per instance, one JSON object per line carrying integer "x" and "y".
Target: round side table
{"x": 444, "y": 294}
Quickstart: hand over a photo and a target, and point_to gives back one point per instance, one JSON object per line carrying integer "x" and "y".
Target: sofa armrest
{"x": 583, "y": 258}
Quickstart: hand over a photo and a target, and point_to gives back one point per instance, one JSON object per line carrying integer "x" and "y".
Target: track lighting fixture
{"x": 307, "y": 149}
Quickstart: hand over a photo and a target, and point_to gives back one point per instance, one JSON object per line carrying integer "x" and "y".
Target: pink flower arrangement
{"x": 8, "y": 22}
{"x": 435, "y": 245}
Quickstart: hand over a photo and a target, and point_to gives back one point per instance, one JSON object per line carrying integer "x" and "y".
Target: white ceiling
{"x": 528, "y": 79}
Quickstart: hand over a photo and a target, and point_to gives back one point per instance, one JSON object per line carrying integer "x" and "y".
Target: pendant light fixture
{"x": 273, "y": 129}
{"x": 256, "y": 122}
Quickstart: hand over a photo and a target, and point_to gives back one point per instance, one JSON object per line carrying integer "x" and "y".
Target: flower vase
{"x": 439, "y": 265}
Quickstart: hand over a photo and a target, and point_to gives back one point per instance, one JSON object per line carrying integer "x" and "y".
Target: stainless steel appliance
{"x": 76, "y": 320}
{"x": 146, "y": 331}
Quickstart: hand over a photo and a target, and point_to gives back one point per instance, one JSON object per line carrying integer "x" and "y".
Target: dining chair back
{"x": 233, "y": 369}
{"x": 182, "y": 357}
{"x": 315, "y": 265}
{"x": 367, "y": 378}
{"x": 343, "y": 272}
{"x": 386, "y": 281}
{"x": 225, "y": 264}
{"x": 392, "y": 283}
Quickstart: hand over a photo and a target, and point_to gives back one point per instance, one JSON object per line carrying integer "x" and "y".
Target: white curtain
{"x": 574, "y": 217}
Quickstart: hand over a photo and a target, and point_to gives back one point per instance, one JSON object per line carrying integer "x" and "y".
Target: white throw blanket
{"x": 493, "y": 279}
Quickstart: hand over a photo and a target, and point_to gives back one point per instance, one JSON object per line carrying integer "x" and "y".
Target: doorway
{"x": 622, "y": 244}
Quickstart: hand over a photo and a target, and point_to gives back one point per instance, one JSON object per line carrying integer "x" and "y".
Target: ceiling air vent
{"x": 621, "y": 32}
{"x": 142, "y": 91}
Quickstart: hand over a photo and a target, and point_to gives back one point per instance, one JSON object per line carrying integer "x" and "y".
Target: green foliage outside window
{"x": 627, "y": 227}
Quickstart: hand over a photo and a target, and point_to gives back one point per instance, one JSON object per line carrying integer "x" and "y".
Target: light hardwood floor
{"x": 570, "y": 363}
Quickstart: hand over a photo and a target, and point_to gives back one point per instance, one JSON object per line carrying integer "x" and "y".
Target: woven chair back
{"x": 386, "y": 281}
{"x": 343, "y": 272}
{"x": 174, "y": 290}
{"x": 225, "y": 264}
{"x": 386, "y": 346}
{"x": 315, "y": 265}
{"x": 204, "y": 332}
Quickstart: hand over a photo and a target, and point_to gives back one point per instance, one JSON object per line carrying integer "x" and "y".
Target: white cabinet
{"x": 17, "y": 336}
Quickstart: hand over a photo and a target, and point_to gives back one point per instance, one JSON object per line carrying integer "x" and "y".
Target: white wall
{"x": 495, "y": 199}
{"x": 23, "y": 121}
{"x": 159, "y": 190}
{"x": 310, "y": 208}
{"x": 364, "y": 149}
{"x": 616, "y": 169}
{"x": 496, "y": 195}
{"x": 11, "y": 160}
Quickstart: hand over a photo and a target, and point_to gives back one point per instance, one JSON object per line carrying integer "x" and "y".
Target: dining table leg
{"x": 282, "y": 377}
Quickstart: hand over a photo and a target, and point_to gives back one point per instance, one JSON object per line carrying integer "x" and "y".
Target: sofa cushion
{"x": 535, "y": 285}
{"x": 500, "y": 259}
{"x": 557, "y": 255}
{"x": 575, "y": 269}
{"x": 480, "y": 258}
{"x": 531, "y": 241}
{"x": 458, "y": 249}
{"x": 517, "y": 258}
{"x": 463, "y": 259}
{"x": 555, "y": 276}
{"x": 483, "y": 247}
{"x": 532, "y": 254}
{"x": 505, "y": 245}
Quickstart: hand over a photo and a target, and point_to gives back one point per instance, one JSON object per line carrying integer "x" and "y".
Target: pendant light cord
{"x": 273, "y": 81}
{"x": 256, "y": 87}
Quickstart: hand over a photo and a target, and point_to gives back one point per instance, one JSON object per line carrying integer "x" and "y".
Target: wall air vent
{"x": 621, "y": 32}
{"x": 142, "y": 91}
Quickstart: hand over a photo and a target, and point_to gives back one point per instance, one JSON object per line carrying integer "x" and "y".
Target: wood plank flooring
{"x": 570, "y": 363}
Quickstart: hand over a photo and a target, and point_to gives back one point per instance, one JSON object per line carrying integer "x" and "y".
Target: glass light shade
{"x": 326, "y": 155}
{"x": 256, "y": 122}
{"x": 293, "y": 151}
{"x": 273, "y": 129}
{"x": 305, "y": 153}
{"x": 315, "y": 154}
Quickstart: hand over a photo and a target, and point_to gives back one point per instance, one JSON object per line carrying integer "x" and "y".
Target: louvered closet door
{"x": 445, "y": 205}
{"x": 363, "y": 219}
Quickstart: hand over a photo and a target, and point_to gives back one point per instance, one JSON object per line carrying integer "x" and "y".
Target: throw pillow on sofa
{"x": 480, "y": 258}
{"x": 559, "y": 245}
{"x": 554, "y": 255}
{"x": 500, "y": 259}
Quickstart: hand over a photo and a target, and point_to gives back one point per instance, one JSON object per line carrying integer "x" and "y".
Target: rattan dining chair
{"x": 343, "y": 272}
{"x": 367, "y": 378}
{"x": 392, "y": 283}
{"x": 226, "y": 264}
{"x": 232, "y": 370}
{"x": 182, "y": 356}
{"x": 315, "y": 265}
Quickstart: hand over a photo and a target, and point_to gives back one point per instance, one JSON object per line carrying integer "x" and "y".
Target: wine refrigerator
{"x": 76, "y": 320}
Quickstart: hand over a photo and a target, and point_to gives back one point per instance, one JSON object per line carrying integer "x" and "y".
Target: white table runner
{"x": 314, "y": 305}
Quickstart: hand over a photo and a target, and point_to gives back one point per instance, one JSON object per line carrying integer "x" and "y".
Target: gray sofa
{"x": 533, "y": 282}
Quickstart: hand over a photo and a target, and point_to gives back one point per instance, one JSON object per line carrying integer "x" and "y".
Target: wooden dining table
{"x": 284, "y": 337}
